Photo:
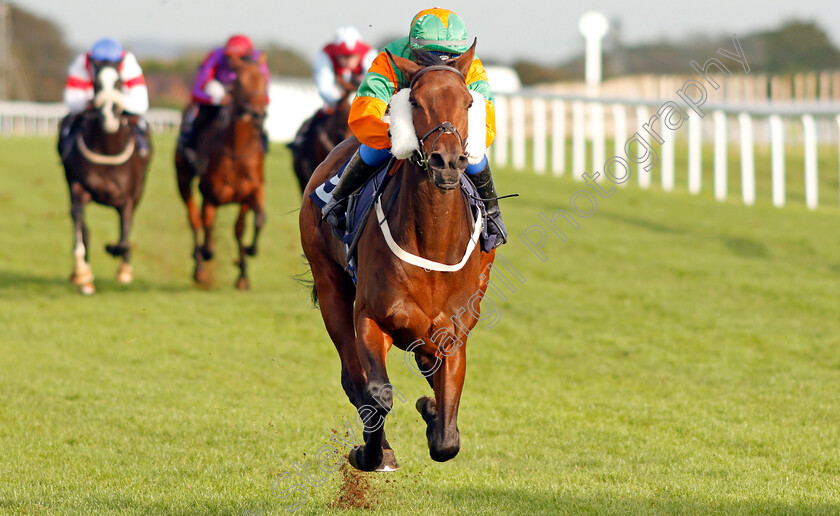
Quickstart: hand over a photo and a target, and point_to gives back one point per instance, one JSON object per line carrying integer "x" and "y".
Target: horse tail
{"x": 306, "y": 280}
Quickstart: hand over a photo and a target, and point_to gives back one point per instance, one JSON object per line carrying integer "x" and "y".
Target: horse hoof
{"x": 427, "y": 408}
{"x": 389, "y": 461}
{"x": 200, "y": 276}
{"x": 87, "y": 289}
{"x": 82, "y": 278}
{"x": 242, "y": 284}
{"x": 125, "y": 274}
{"x": 115, "y": 250}
{"x": 356, "y": 458}
{"x": 251, "y": 251}
{"x": 351, "y": 457}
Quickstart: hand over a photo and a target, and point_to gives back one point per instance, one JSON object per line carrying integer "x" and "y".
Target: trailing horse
{"x": 104, "y": 165}
{"x": 319, "y": 135}
{"x": 396, "y": 302}
{"x": 229, "y": 167}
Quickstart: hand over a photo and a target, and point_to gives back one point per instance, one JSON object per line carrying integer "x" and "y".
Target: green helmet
{"x": 438, "y": 30}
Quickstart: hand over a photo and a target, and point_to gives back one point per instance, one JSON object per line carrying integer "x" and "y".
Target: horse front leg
{"x": 373, "y": 344}
{"x": 82, "y": 272}
{"x": 185, "y": 178}
{"x": 122, "y": 249}
{"x": 259, "y": 219}
{"x": 208, "y": 215}
{"x": 441, "y": 413}
{"x": 239, "y": 232}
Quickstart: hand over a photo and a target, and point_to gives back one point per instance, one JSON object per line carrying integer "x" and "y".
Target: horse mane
{"x": 425, "y": 58}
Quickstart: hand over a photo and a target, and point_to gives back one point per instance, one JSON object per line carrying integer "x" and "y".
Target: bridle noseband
{"x": 420, "y": 158}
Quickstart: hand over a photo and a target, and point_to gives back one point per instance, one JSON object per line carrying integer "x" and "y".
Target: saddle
{"x": 360, "y": 203}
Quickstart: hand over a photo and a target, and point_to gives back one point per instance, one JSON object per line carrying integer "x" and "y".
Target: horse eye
{"x": 470, "y": 104}
{"x": 413, "y": 102}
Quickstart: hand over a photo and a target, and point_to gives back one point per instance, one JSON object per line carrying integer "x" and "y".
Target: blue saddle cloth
{"x": 361, "y": 203}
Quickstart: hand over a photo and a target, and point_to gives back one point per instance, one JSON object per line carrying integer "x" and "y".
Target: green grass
{"x": 675, "y": 356}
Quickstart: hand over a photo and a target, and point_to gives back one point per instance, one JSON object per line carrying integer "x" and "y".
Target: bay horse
{"x": 106, "y": 166}
{"x": 232, "y": 156}
{"x": 329, "y": 131}
{"x": 396, "y": 303}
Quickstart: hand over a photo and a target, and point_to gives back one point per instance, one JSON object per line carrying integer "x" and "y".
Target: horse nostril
{"x": 436, "y": 160}
{"x": 461, "y": 163}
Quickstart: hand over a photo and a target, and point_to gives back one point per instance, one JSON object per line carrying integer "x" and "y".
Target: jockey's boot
{"x": 140, "y": 129}
{"x": 204, "y": 116}
{"x": 66, "y": 135}
{"x": 483, "y": 182}
{"x": 299, "y": 144}
{"x": 264, "y": 139}
{"x": 355, "y": 174}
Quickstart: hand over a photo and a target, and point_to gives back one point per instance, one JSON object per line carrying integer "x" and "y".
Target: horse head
{"x": 249, "y": 92}
{"x": 430, "y": 119}
{"x": 108, "y": 98}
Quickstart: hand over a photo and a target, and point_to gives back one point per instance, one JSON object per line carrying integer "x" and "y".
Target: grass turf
{"x": 675, "y": 355}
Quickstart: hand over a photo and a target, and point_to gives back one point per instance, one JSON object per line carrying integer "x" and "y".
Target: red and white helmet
{"x": 346, "y": 39}
{"x": 239, "y": 45}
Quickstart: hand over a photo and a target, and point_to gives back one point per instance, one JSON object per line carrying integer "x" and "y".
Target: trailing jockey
{"x": 443, "y": 33}
{"x": 78, "y": 92}
{"x": 339, "y": 65}
{"x": 210, "y": 89}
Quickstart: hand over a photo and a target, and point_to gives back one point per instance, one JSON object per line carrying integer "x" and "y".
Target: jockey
{"x": 345, "y": 59}
{"x": 210, "y": 86}
{"x": 339, "y": 66}
{"x": 78, "y": 92}
{"x": 443, "y": 33}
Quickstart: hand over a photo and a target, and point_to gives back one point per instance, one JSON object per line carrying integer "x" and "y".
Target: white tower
{"x": 593, "y": 26}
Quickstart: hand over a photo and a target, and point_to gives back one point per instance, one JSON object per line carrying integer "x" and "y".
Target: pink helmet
{"x": 239, "y": 45}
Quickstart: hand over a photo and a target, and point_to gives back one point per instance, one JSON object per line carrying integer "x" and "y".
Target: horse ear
{"x": 406, "y": 66}
{"x": 464, "y": 61}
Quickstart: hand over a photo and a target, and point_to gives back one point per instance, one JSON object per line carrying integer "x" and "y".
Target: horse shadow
{"x": 46, "y": 284}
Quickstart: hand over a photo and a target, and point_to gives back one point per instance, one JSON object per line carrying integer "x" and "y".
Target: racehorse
{"x": 230, "y": 168}
{"x": 328, "y": 131}
{"x": 395, "y": 302}
{"x": 106, "y": 166}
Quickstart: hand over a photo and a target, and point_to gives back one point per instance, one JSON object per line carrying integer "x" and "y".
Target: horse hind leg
{"x": 239, "y": 231}
{"x": 185, "y": 178}
{"x": 208, "y": 215}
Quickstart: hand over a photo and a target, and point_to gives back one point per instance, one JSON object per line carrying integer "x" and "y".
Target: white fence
{"x": 33, "y": 118}
{"x": 527, "y": 114}
{"x": 548, "y": 120}
{"x": 292, "y": 102}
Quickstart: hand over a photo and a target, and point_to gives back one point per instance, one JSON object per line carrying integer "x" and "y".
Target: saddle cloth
{"x": 360, "y": 203}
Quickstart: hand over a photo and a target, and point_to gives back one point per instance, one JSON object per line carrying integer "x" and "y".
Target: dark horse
{"x": 232, "y": 154}
{"x": 395, "y": 302}
{"x": 104, "y": 165}
{"x": 327, "y": 131}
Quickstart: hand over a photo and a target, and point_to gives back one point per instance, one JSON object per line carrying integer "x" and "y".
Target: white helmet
{"x": 346, "y": 38}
